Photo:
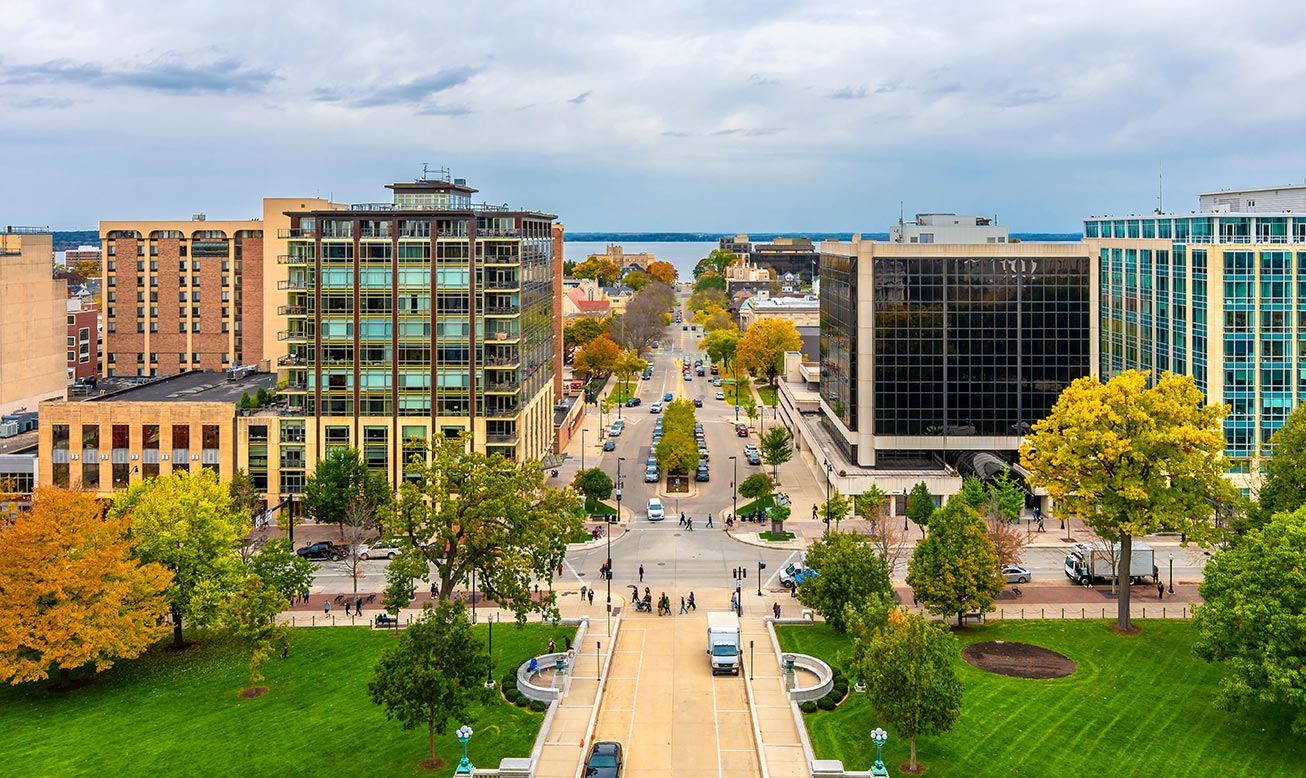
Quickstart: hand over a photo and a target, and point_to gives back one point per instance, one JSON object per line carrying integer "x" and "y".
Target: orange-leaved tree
{"x": 73, "y": 592}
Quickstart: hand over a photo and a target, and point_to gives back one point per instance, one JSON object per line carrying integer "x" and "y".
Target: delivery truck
{"x": 1089, "y": 564}
{"x": 723, "y": 643}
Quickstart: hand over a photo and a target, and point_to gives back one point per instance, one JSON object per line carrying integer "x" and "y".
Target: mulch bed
{"x": 1018, "y": 660}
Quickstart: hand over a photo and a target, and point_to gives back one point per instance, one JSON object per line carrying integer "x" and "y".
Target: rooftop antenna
{"x": 1160, "y": 189}
{"x": 424, "y": 170}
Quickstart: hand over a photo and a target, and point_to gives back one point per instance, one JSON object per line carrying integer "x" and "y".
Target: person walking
{"x": 326, "y": 607}
{"x": 591, "y": 596}
{"x": 775, "y": 608}
{"x": 689, "y": 523}
{"x": 683, "y": 609}
{"x": 566, "y": 642}
{"x": 692, "y": 606}
{"x": 681, "y": 523}
{"x": 641, "y": 573}
{"x": 358, "y": 606}
{"x": 1160, "y": 590}
{"x": 347, "y": 605}
{"x": 709, "y": 521}
{"x": 550, "y": 646}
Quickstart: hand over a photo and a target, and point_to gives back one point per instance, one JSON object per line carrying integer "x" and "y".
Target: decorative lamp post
{"x": 489, "y": 671}
{"x": 472, "y": 596}
{"x": 582, "y": 448}
{"x": 609, "y": 575}
{"x": 904, "y": 509}
{"x": 464, "y": 734}
{"x": 734, "y": 488}
{"x": 829, "y": 469}
{"x": 1172, "y": 574}
{"x": 879, "y": 736}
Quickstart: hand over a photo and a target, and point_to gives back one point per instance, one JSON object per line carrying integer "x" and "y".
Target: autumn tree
{"x": 251, "y": 614}
{"x": 709, "y": 281}
{"x": 720, "y": 346}
{"x": 635, "y": 279}
{"x": 717, "y": 320}
{"x": 710, "y": 297}
{"x": 187, "y": 524}
{"x": 468, "y": 512}
{"x": 1253, "y": 617}
{"x": 597, "y": 357}
{"x": 595, "y": 485}
{"x": 432, "y": 674}
{"x": 629, "y": 365}
{"x": 1132, "y": 460}
{"x": 605, "y": 271}
{"x": 73, "y": 592}
{"x": 281, "y": 569}
{"x": 763, "y": 347}
{"x": 776, "y": 446}
{"x": 920, "y": 505}
{"x": 664, "y": 272}
{"x": 582, "y": 330}
{"x": 909, "y": 666}
{"x": 716, "y": 262}
{"x": 645, "y": 317}
{"x": 337, "y": 481}
{"x": 1284, "y": 488}
{"x": 955, "y": 569}
{"x": 849, "y": 574}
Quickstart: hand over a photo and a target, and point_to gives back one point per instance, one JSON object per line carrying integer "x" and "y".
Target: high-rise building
{"x": 935, "y": 352}
{"x": 32, "y": 321}
{"x": 1218, "y": 294}
{"x": 428, "y": 315}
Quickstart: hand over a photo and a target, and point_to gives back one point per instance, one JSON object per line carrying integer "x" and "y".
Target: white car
{"x": 655, "y": 510}
{"x": 750, "y": 449}
{"x": 378, "y": 550}
{"x": 721, "y": 395}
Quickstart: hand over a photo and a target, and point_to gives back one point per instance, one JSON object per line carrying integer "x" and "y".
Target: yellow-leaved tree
{"x": 72, "y": 591}
{"x": 1131, "y": 460}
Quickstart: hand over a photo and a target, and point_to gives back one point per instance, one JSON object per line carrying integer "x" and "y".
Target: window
{"x": 210, "y": 436}
{"x": 121, "y": 436}
{"x": 90, "y": 436}
{"x": 180, "y": 436}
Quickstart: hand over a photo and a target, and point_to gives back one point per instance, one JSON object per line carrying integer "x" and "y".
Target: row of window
{"x": 121, "y": 436}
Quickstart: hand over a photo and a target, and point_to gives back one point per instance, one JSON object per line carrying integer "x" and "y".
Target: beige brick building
{"x": 33, "y": 330}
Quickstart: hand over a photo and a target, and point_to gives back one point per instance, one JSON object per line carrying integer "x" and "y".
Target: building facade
{"x": 1218, "y": 294}
{"x": 33, "y": 366}
{"x": 932, "y": 352}
{"x": 428, "y": 315}
{"x": 83, "y": 339}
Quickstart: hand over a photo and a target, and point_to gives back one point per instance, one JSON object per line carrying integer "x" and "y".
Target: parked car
{"x": 632, "y": 402}
{"x": 753, "y": 458}
{"x": 650, "y": 475}
{"x": 655, "y": 510}
{"x": 699, "y": 370}
{"x": 750, "y": 448}
{"x": 689, "y": 376}
{"x": 701, "y": 475}
{"x": 616, "y": 428}
{"x": 702, "y": 451}
{"x": 604, "y": 760}
{"x": 1015, "y": 574}
{"x": 379, "y": 550}
{"x": 741, "y": 430}
{"x": 715, "y": 371}
{"x": 685, "y": 328}
{"x": 655, "y": 408}
{"x": 721, "y": 395}
{"x": 609, "y": 445}
{"x": 322, "y": 552}
{"x": 698, "y": 402}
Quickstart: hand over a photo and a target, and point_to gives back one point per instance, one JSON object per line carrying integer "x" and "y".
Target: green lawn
{"x": 623, "y": 392}
{"x": 171, "y": 714}
{"x": 1137, "y": 705}
{"x": 729, "y": 389}
{"x": 766, "y": 395}
{"x": 757, "y": 505}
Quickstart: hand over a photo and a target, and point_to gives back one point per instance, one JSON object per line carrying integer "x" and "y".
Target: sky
{"x": 729, "y": 116}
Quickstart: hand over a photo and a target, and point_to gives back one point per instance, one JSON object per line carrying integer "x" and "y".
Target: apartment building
{"x": 32, "y": 321}
{"x": 83, "y": 320}
{"x": 1218, "y": 294}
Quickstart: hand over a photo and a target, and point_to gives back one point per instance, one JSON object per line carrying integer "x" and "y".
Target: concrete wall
{"x": 33, "y": 327}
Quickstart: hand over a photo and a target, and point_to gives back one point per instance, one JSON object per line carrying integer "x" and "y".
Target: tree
{"x": 955, "y": 569}
{"x": 629, "y": 365}
{"x": 433, "y": 673}
{"x": 469, "y": 512}
{"x": 871, "y": 503}
{"x": 635, "y": 279}
{"x": 359, "y": 526}
{"x": 710, "y": 280}
{"x": 247, "y": 501}
{"x": 339, "y": 479}
{"x": 834, "y": 508}
{"x": 849, "y": 574}
{"x": 677, "y": 452}
{"x": 889, "y": 541}
{"x": 582, "y": 330}
{"x": 252, "y": 615}
{"x": 756, "y": 486}
{"x": 1254, "y": 617}
{"x": 710, "y": 297}
{"x": 1284, "y": 487}
{"x": 187, "y": 523}
{"x": 1008, "y": 539}
{"x": 720, "y": 346}
{"x": 909, "y": 667}
{"x": 776, "y": 446}
{"x": 645, "y": 318}
{"x": 715, "y": 262}
{"x": 281, "y": 569}
{"x": 973, "y": 492}
{"x": 662, "y": 271}
{"x": 400, "y": 575}
{"x": 763, "y": 347}
{"x": 718, "y": 321}
{"x": 595, "y": 485}
{"x": 605, "y": 271}
{"x": 920, "y": 505}
{"x": 1006, "y": 495}
{"x": 88, "y": 269}
{"x": 1131, "y": 460}
{"x": 597, "y": 357}
{"x": 72, "y": 591}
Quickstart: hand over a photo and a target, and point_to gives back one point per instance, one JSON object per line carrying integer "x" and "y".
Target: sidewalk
{"x": 780, "y": 743}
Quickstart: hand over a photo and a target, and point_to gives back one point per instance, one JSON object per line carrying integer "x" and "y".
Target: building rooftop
{"x": 785, "y": 303}
{"x": 198, "y": 386}
{"x": 19, "y": 443}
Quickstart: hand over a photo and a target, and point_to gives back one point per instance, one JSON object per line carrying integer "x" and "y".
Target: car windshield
{"x": 603, "y": 760}
{"x": 726, "y": 650}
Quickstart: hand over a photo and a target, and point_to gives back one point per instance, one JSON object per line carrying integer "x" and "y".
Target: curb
{"x": 752, "y": 539}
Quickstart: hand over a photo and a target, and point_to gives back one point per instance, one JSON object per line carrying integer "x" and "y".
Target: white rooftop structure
{"x": 1270, "y": 199}
{"x": 948, "y": 228}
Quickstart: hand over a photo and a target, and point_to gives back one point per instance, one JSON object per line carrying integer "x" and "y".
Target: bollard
{"x": 1042, "y": 614}
{"x": 1163, "y": 613}
{"x": 1081, "y": 614}
{"x": 1063, "y": 613}
{"x": 1144, "y": 611}
{"x": 1022, "y": 614}
{"x": 312, "y": 620}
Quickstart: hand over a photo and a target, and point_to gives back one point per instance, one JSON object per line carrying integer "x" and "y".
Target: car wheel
{"x": 391, "y": 555}
{"x": 1021, "y": 579}
{"x": 787, "y": 584}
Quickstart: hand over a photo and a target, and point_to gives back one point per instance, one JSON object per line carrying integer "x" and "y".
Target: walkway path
{"x": 565, "y": 746}
{"x": 775, "y": 722}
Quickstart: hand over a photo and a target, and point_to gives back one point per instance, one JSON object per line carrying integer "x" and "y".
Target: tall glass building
{"x": 428, "y": 315}
{"x": 1218, "y": 294}
{"x": 930, "y": 350}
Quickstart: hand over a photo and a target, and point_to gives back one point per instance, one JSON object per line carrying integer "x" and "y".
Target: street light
{"x": 489, "y": 671}
{"x": 904, "y": 509}
{"x": 829, "y": 469}
{"x": 1172, "y": 573}
{"x": 582, "y": 448}
{"x": 879, "y": 737}
{"x": 734, "y": 489}
{"x": 473, "y": 595}
{"x": 609, "y": 575}
{"x": 464, "y": 734}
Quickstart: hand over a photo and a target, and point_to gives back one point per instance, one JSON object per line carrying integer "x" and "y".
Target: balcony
{"x": 291, "y": 259}
{"x": 295, "y": 284}
{"x": 498, "y": 261}
{"x": 502, "y": 439}
{"x": 296, "y": 232}
{"x": 503, "y": 412}
{"x": 294, "y": 388}
{"x": 294, "y": 336}
{"x": 502, "y": 387}
{"x": 502, "y": 337}
{"x": 509, "y": 285}
{"x": 502, "y": 360}
{"x": 291, "y": 360}
{"x": 501, "y": 310}
{"x": 293, "y": 310}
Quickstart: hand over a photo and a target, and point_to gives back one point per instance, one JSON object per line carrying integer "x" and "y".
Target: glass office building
{"x": 932, "y": 350}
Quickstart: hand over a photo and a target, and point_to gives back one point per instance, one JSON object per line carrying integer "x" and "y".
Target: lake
{"x": 683, "y": 256}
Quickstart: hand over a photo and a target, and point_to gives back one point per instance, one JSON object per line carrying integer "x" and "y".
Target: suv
{"x": 379, "y": 550}
{"x": 701, "y": 475}
{"x": 655, "y": 408}
{"x": 617, "y": 427}
{"x": 655, "y": 510}
{"x": 322, "y": 552}
{"x": 650, "y": 474}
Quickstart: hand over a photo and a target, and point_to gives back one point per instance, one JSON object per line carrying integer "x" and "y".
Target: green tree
{"x": 1284, "y": 487}
{"x": 400, "y": 576}
{"x": 582, "y": 330}
{"x": 635, "y": 279}
{"x": 834, "y": 509}
{"x": 1006, "y": 495}
{"x": 708, "y": 298}
{"x": 432, "y": 674}
{"x": 710, "y": 281}
{"x": 677, "y": 452}
{"x": 629, "y": 365}
{"x": 872, "y": 502}
{"x": 1131, "y": 460}
{"x": 756, "y": 486}
{"x": 920, "y": 505}
{"x": 955, "y": 568}
{"x": 776, "y": 446}
{"x": 245, "y": 496}
{"x": 251, "y": 614}
{"x": 909, "y": 666}
{"x": 715, "y": 262}
{"x": 339, "y": 479}
{"x": 720, "y": 346}
{"x": 595, "y": 485}
{"x": 605, "y": 271}
{"x": 973, "y": 492}
{"x": 469, "y": 512}
{"x": 187, "y": 523}
{"x": 1253, "y": 619}
{"x": 850, "y": 574}
{"x": 762, "y": 349}
{"x": 281, "y": 569}
{"x": 597, "y": 357}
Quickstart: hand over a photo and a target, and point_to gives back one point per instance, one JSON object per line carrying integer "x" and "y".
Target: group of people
{"x": 645, "y": 603}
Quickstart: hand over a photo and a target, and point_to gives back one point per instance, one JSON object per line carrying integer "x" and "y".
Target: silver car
{"x": 1015, "y": 574}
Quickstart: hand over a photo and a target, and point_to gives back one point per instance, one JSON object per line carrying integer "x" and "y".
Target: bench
{"x": 976, "y": 616}
{"x": 384, "y": 620}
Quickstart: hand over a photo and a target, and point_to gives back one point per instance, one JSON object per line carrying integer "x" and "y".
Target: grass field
{"x": 744, "y": 396}
{"x": 171, "y": 714}
{"x": 766, "y": 395}
{"x": 1137, "y": 705}
{"x": 757, "y": 505}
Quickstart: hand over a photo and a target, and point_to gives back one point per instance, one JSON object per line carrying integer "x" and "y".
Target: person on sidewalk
{"x": 347, "y": 605}
{"x": 326, "y": 607}
{"x": 591, "y": 596}
{"x": 1160, "y": 590}
{"x": 683, "y": 609}
{"x": 813, "y": 513}
{"x": 689, "y": 523}
{"x": 681, "y": 523}
{"x": 641, "y": 573}
{"x": 692, "y": 606}
{"x": 775, "y": 608}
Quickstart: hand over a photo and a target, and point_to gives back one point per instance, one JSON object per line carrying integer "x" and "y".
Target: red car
{"x": 741, "y": 430}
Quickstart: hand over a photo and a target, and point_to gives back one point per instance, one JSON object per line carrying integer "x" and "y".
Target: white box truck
{"x": 1086, "y": 563}
{"x": 723, "y": 642}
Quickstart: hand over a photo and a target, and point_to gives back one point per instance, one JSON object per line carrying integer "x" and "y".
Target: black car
{"x": 702, "y": 474}
{"x": 604, "y": 760}
{"x": 698, "y": 402}
{"x": 632, "y": 402}
{"x": 322, "y": 552}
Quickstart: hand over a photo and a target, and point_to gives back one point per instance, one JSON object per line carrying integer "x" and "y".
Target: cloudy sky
{"x": 718, "y": 116}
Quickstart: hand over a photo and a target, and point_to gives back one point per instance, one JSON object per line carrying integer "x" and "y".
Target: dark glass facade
{"x": 839, "y": 337}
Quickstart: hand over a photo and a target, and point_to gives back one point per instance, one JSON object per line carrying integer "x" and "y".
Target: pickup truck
{"x": 323, "y": 552}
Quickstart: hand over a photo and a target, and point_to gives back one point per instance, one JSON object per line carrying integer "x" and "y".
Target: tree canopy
{"x": 834, "y": 509}
{"x": 710, "y": 280}
{"x": 920, "y": 505}
{"x": 1253, "y": 619}
{"x": 187, "y": 523}
{"x": 645, "y": 318}
{"x": 677, "y": 452}
{"x": 664, "y": 272}
{"x": 433, "y": 673}
{"x": 776, "y": 446}
{"x": 715, "y": 262}
{"x": 337, "y": 480}
{"x": 635, "y": 279}
{"x": 762, "y": 349}
{"x": 281, "y": 569}
{"x": 468, "y": 511}
{"x": 1132, "y": 460}
{"x": 851, "y": 576}
{"x": 72, "y": 591}
{"x": 1284, "y": 487}
{"x": 710, "y": 297}
{"x": 583, "y": 329}
{"x": 756, "y": 486}
{"x": 251, "y": 614}
{"x": 594, "y": 484}
{"x": 720, "y": 345}
{"x": 605, "y": 271}
{"x": 955, "y": 568}
{"x": 597, "y": 357}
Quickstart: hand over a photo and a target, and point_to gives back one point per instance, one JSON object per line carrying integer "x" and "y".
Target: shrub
{"x": 808, "y": 706}
{"x": 538, "y": 706}
{"x": 825, "y": 703}
{"x": 512, "y": 695}
{"x": 509, "y": 680}
{"x": 523, "y": 702}
{"x": 506, "y": 685}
